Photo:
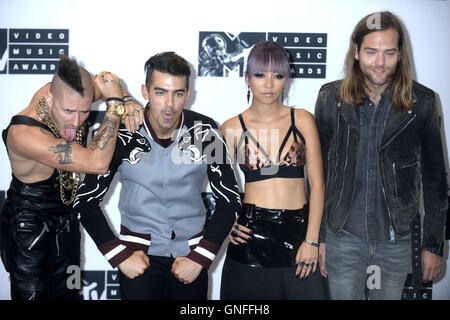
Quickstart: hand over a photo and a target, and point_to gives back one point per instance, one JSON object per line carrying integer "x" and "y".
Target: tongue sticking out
{"x": 70, "y": 133}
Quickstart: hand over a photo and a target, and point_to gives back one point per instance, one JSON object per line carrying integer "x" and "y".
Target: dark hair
{"x": 167, "y": 62}
{"x": 265, "y": 55}
{"x": 69, "y": 72}
{"x": 352, "y": 89}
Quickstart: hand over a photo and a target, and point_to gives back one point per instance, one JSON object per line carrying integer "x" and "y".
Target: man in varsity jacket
{"x": 165, "y": 248}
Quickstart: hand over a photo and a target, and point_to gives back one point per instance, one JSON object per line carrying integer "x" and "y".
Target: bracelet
{"x": 116, "y": 106}
{"x": 128, "y": 99}
{"x": 314, "y": 244}
{"x": 114, "y": 99}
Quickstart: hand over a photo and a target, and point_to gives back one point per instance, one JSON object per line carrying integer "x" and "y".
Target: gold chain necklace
{"x": 67, "y": 180}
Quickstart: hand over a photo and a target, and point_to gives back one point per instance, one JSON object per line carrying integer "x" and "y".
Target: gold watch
{"x": 117, "y": 107}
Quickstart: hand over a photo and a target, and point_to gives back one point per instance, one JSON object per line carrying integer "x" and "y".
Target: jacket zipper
{"x": 336, "y": 153}
{"x": 391, "y": 228}
{"x": 400, "y": 131}
{"x": 395, "y": 180}
{"x": 391, "y": 224}
{"x": 345, "y": 166}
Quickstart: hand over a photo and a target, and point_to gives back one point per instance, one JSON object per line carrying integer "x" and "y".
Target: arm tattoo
{"x": 63, "y": 151}
{"x": 101, "y": 139}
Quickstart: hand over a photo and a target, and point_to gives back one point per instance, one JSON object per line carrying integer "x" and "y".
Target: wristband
{"x": 116, "y": 106}
{"x": 114, "y": 99}
{"x": 314, "y": 244}
{"x": 128, "y": 99}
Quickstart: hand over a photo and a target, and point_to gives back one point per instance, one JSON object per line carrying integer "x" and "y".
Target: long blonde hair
{"x": 352, "y": 89}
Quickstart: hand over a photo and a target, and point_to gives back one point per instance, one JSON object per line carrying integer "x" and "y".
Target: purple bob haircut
{"x": 267, "y": 56}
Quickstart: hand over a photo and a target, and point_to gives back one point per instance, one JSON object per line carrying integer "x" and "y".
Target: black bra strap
{"x": 246, "y": 134}
{"x": 244, "y": 128}
{"x": 242, "y": 122}
{"x": 293, "y": 124}
{"x": 292, "y": 117}
{"x": 286, "y": 137}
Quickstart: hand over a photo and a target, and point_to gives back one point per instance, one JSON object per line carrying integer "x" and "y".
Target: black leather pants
{"x": 39, "y": 240}
{"x": 37, "y": 253}
{"x": 276, "y": 236}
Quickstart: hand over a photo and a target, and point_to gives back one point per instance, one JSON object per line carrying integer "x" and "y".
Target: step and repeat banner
{"x": 215, "y": 37}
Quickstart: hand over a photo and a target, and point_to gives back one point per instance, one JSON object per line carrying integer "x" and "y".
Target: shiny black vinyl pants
{"x": 276, "y": 236}
{"x": 264, "y": 267}
{"x": 37, "y": 251}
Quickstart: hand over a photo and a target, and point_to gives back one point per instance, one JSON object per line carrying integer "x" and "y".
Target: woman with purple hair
{"x": 273, "y": 250}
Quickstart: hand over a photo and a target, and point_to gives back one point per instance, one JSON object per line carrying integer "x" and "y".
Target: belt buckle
{"x": 249, "y": 211}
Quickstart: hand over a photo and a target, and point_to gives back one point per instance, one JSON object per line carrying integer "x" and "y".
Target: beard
{"x": 378, "y": 82}
{"x": 371, "y": 79}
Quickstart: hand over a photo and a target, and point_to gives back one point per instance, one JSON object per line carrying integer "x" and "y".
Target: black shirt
{"x": 368, "y": 217}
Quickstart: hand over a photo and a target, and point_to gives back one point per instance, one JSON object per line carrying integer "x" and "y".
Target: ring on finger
{"x": 234, "y": 233}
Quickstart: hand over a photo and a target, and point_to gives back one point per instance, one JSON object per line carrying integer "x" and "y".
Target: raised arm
{"x": 34, "y": 143}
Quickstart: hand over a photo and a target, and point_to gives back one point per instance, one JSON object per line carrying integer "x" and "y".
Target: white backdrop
{"x": 121, "y": 35}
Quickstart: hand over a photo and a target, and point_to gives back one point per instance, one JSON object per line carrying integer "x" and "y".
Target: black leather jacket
{"x": 410, "y": 154}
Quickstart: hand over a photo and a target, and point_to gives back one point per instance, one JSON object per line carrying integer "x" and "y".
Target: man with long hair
{"x": 381, "y": 140}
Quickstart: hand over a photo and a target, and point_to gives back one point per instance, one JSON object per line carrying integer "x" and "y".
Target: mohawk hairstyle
{"x": 69, "y": 72}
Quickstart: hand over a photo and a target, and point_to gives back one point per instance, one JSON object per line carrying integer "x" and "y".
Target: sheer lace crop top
{"x": 256, "y": 163}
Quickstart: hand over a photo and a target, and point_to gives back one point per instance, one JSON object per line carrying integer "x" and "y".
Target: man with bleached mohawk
{"x": 40, "y": 236}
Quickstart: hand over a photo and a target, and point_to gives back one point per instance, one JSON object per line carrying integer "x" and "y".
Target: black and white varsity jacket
{"x": 161, "y": 206}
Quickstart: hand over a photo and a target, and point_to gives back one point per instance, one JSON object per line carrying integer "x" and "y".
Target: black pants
{"x": 37, "y": 252}
{"x": 264, "y": 267}
{"x": 159, "y": 283}
{"x": 243, "y": 282}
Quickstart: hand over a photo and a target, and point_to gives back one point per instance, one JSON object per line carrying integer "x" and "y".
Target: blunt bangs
{"x": 268, "y": 56}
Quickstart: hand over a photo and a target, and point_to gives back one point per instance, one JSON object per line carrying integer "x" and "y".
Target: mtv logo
{"x": 100, "y": 285}
{"x": 93, "y": 284}
{"x": 221, "y": 54}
